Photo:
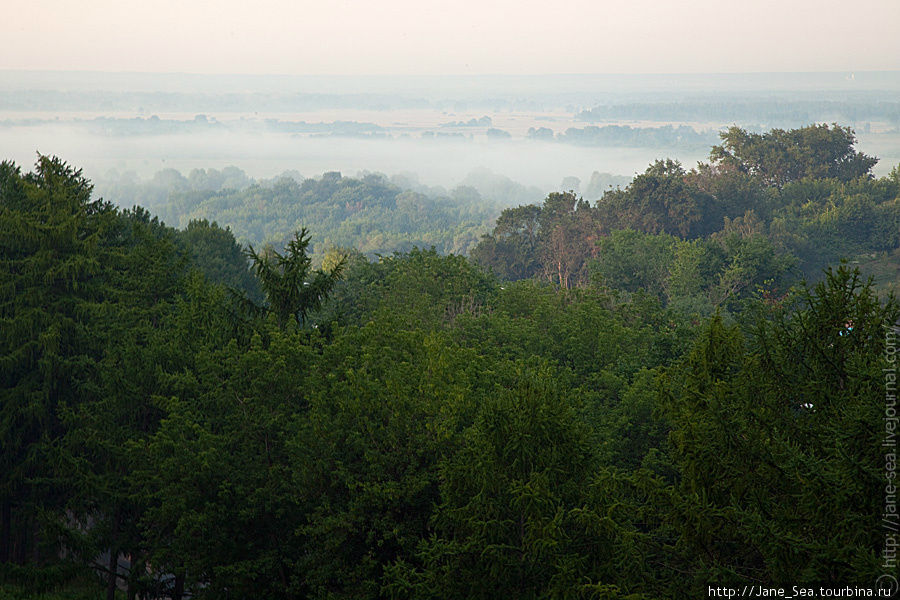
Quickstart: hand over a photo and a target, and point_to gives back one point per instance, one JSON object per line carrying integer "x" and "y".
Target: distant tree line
{"x": 666, "y": 136}
{"x": 372, "y": 213}
{"x": 780, "y": 112}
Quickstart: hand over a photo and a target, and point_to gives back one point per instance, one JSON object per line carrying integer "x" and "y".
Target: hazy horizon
{"x": 435, "y": 127}
{"x": 85, "y": 81}
{"x": 416, "y": 37}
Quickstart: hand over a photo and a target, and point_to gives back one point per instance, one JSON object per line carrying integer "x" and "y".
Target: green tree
{"x": 511, "y": 249}
{"x": 389, "y": 406}
{"x": 776, "y": 440}
{"x": 632, "y": 261}
{"x": 661, "y": 200}
{"x": 779, "y": 157}
{"x": 222, "y": 508}
{"x": 292, "y": 289}
{"x": 215, "y": 252}
{"x": 568, "y": 235}
{"x": 53, "y": 249}
{"x": 510, "y": 521}
{"x": 145, "y": 274}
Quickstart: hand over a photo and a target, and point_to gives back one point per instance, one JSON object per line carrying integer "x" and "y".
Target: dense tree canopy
{"x": 779, "y": 157}
{"x": 637, "y": 399}
{"x": 370, "y": 212}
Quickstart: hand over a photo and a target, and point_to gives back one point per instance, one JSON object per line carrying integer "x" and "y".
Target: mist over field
{"x": 534, "y": 130}
{"x": 435, "y": 162}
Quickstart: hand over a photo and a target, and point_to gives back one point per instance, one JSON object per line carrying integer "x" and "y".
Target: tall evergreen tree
{"x": 292, "y": 288}
{"x": 53, "y": 246}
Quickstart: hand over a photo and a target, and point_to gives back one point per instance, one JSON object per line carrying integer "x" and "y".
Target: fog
{"x": 537, "y": 131}
{"x": 436, "y": 162}
{"x": 458, "y": 87}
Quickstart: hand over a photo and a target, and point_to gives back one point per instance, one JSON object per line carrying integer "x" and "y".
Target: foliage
{"x": 369, "y": 214}
{"x": 634, "y": 404}
{"x": 292, "y": 290}
{"x": 779, "y": 157}
{"x": 218, "y": 255}
{"x": 662, "y": 200}
{"x": 509, "y": 522}
{"x": 762, "y": 426}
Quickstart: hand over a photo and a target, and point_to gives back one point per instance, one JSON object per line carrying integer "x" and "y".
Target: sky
{"x": 427, "y": 37}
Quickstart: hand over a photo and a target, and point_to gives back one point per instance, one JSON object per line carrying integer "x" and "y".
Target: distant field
{"x": 436, "y": 129}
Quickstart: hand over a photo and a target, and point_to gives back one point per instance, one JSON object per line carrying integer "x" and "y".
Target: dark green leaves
{"x": 292, "y": 289}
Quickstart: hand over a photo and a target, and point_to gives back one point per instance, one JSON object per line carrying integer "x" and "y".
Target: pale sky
{"x": 462, "y": 37}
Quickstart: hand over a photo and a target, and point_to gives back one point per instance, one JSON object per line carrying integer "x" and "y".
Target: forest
{"x": 674, "y": 387}
{"x": 369, "y": 213}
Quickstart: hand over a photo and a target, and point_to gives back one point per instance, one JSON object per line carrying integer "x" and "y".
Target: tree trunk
{"x": 133, "y": 576}
{"x": 130, "y": 589}
{"x": 178, "y": 591}
{"x": 113, "y": 574}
